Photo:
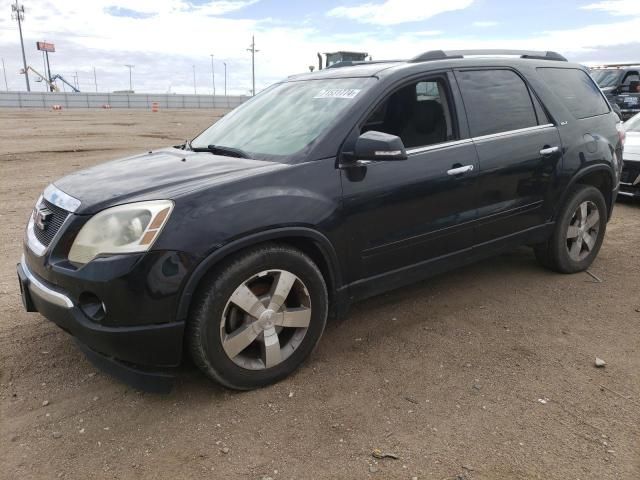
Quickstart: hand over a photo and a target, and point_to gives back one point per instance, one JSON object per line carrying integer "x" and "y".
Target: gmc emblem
{"x": 42, "y": 217}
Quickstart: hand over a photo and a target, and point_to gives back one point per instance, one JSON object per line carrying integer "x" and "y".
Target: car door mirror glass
{"x": 377, "y": 146}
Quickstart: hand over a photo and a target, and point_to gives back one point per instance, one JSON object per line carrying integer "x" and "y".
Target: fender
{"x": 604, "y": 167}
{"x": 325, "y": 245}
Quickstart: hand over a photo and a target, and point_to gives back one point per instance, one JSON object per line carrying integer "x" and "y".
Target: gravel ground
{"x": 486, "y": 372}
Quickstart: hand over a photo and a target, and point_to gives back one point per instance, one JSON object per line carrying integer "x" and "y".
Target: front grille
{"x": 58, "y": 216}
{"x": 630, "y": 171}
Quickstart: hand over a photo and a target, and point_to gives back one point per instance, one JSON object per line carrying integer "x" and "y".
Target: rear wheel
{"x": 578, "y": 234}
{"x": 257, "y": 318}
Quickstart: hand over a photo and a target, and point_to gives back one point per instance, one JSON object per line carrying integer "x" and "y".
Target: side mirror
{"x": 375, "y": 146}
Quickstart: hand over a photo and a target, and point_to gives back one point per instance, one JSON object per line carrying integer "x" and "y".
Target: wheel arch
{"x": 311, "y": 242}
{"x": 600, "y": 176}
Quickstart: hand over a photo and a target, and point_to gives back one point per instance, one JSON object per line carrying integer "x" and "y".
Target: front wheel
{"x": 578, "y": 234}
{"x": 257, "y": 319}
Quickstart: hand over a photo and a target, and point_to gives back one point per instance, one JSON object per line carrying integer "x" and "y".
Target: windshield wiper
{"x": 222, "y": 150}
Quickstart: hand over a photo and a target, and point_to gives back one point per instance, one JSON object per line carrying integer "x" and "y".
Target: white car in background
{"x": 630, "y": 178}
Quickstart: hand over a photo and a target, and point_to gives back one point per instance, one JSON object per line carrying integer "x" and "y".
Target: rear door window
{"x": 496, "y": 101}
{"x": 577, "y": 90}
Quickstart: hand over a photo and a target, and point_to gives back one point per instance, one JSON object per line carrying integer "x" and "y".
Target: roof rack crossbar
{"x": 449, "y": 54}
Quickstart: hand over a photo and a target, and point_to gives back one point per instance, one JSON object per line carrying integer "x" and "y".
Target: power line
{"x": 17, "y": 13}
{"x": 252, "y": 49}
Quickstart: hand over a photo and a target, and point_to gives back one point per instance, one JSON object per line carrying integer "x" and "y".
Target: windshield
{"x": 633, "y": 124}
{"x": 606, "y": 78}
{"x": 285, "y": 118}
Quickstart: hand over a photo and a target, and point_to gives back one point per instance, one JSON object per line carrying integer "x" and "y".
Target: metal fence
{"x": 115, "y": 100}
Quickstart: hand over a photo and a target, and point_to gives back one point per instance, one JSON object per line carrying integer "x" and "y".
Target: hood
{"x": 162, "y": 174}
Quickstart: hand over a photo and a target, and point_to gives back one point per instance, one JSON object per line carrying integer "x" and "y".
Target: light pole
{"x": 17, "y": 13}
{"x": 95, "y": 79}
{"x": 225, "y": 79}
{"x": 130, "y": 77}
{"x": 4, "y": 72}
{"x": 194, "y": 80}
{"x": 213, "y": 77}
{"x": 253, "y": 51}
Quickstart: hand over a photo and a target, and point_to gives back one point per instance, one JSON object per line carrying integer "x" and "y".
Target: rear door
{"x": 519, "y": 152}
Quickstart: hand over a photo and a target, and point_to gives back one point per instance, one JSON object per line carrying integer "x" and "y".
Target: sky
{"x": 165, "y": 39}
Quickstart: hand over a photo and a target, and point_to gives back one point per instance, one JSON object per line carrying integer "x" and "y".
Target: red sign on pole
{"x": 46, "y": 47}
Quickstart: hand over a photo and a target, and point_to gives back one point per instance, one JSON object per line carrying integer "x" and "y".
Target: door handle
{"x": 459, "y": 170}
{"x": 549, "y": 150}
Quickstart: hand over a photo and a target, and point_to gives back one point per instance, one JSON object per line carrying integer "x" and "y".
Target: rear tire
{"x": 258, "y": 317}
{"x": 578, "y": 234}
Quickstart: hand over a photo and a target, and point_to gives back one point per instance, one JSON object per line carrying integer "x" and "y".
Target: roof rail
{"x": 449, "y": 54}
{"x": 351, "y": 63}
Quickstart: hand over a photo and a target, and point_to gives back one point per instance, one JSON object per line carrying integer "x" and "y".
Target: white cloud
{"x": 485, "y": 24}
{"x": 394, "y": 12}
{"x": 616, "y": 7}
{"x": 165, "y": 45}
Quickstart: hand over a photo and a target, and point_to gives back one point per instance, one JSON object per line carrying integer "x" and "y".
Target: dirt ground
{"x": 483, "y": 373}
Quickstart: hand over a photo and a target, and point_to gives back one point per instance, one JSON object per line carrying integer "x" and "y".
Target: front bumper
{"x": 129, "y": 351}
{"x": 630, "y": 179}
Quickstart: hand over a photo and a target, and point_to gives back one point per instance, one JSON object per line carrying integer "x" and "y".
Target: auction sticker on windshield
{"x": 338, "y": 93}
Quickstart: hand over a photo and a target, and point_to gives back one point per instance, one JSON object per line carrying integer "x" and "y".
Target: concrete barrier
{"x": 115, "y": 100}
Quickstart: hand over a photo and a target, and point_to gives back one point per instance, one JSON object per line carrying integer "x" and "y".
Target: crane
{"x": 57, "y": 76}
{"x": 51, "y": 83}
{"x": 41, "y": 78}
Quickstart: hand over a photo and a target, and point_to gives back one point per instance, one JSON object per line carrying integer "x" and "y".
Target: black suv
{"x": 324, "y": 189}
{"x": 621, "y": 85}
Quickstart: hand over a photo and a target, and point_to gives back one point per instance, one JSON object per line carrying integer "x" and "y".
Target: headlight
{"x": 122, "y": 229}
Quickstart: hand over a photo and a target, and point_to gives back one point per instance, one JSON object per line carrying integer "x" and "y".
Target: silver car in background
{"x": 630, "y": 178}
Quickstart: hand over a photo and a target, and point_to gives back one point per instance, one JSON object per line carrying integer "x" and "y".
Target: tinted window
{"x": 496, "y": 101}
{"x": 418, "y": 113}
{"x": 576, "y": 90}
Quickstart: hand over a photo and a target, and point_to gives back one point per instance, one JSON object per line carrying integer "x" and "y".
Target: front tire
{"x": 578, "y": 234}
{"x": 258, "y": 317}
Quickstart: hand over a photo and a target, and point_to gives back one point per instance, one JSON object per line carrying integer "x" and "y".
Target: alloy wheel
{"x": 265, "y": 319}
{"x": 582, "y": 233}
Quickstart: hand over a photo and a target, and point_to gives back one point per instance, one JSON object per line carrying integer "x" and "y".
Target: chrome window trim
{"x": 54, "y": 195}
{"x": 512, "y": 132}
{"x": 437, "y": 146}
{"x": 39, "y": 289}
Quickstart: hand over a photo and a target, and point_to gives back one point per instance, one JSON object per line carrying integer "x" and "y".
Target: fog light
{"x": 92, "y": 306}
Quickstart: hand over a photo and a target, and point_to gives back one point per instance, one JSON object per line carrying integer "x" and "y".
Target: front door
{"x": 403, "y": 213}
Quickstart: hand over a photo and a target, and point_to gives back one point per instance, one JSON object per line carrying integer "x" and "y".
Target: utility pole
{"x": 95, "y": 79}
{"x": 253, "y": 51}
{"x": 46, "y": 54}
{"x": 77, "y": 81}
{"x": 225, "y": 79}
{"x": 44, "y": 65}
{"x": 130, "y": 80}
{"x": 213, "y": 77}
{"x": 194, "y": 80}
{"x": 17, "y": 13}
{"x": 4, "y": 71}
